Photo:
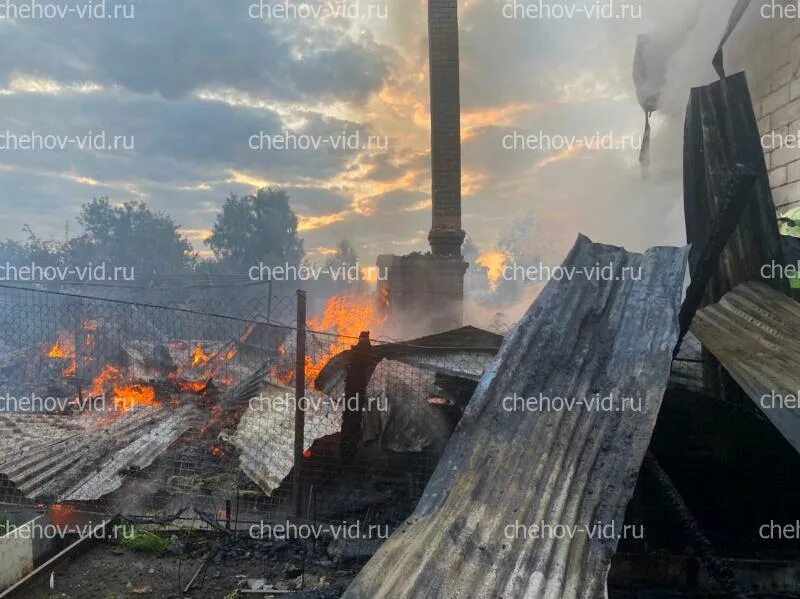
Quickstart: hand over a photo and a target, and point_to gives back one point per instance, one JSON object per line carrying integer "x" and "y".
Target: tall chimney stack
{"x": 446, "y": 234}
{"x": 424, "y": 293}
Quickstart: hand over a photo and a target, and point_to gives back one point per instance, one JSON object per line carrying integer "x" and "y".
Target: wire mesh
{"x": 114, "y": 406}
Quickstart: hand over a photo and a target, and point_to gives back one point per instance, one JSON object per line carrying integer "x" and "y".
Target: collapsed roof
{"x": 71, "y": 458}
{"x": 571, "y": 467}
{"x": 754, "y": 331}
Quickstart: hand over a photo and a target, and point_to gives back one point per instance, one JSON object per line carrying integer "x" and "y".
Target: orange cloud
{"x": 472, "y": 120}
{"x": 565, "y": 154}
{"x": 310, "y": 223}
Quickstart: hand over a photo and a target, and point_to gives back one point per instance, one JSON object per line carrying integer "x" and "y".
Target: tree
{"x": 343, "y": 267}
{"x": 34, "y": 250}
{"x": 132, "y": 236}
{"x": 256, "y": 229}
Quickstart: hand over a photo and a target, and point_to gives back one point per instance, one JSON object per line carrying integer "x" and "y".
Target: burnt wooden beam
{"x": 720, "y": 138}
{"x": 735, "y": 196}
{"x": 359, "y": 372}
{"x": 691, "y": 528}
{"x": 727, "y": 200}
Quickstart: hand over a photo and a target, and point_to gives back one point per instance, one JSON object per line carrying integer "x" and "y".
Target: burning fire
{"x": 191, "y": 386}
{"x": 108, "y": 375}
{"x": 495, "y": 262}
{"x": 71, "y": 369}
{"x": 345, "y": 316}
{"x": 62, "y": 513}
{"x": 64, "y": 347}
{"x": 199, "y": 357}
{"x": 128, "y": 396}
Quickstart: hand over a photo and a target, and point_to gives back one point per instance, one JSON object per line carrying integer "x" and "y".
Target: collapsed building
{"x": 696, "y": 452}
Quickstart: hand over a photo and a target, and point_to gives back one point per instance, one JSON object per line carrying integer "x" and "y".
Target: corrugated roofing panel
{"x": 79, "y": 458}
{"x": 565, "y": 467}
{"x": 754, "y": 331}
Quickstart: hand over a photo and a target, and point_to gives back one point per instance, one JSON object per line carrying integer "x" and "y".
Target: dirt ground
{"x": 110, "y": 571}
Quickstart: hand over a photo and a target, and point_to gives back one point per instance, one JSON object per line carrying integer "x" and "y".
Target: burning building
{"x": 425, "y": 292}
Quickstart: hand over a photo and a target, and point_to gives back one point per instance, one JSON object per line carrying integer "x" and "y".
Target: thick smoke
{"x": 604, "y": 194}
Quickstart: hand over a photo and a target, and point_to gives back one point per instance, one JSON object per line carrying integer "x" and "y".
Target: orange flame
{"x": 494, "y": 262}
{"x": 199, "y": 357}
{"x": 62, "y": 513}
{"x": 383, "y": 296}
{"x": 346, "y": 316}
{"x": 190, "y": 386}
{"x": 64, "y": 347}
{"x": 108, "y": 375}
{"x": 128, "y": 396}
{"x": 70, "y": 370}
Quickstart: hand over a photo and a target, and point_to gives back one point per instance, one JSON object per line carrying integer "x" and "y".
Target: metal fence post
{"x": 359, "y": 371}
{"x": 299, "y": 394}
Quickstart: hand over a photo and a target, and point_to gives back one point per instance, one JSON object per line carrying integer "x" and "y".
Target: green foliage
{"x": 254, "y": 229}
{"x": 130, "y": 235}
{"x": 144, "y": 541}
{"x": 34, "y": 249}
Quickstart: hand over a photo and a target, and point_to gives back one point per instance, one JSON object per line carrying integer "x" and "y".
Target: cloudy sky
{"x": 188, "y": 83}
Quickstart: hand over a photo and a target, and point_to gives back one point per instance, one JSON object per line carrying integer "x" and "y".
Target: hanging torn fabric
{"x": 649, "y": 77}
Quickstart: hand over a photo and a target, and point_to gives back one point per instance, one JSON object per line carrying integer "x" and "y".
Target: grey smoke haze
{"x": 191, "y": 91}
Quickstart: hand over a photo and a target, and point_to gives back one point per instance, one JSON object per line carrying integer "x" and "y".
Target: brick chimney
{"x": 425, "y": 292}
{"x": 446, "y": 234}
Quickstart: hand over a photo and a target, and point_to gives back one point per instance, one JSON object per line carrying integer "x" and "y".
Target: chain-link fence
{"x": 119, "y": 407}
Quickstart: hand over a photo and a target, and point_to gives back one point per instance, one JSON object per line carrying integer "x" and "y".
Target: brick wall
{"x": 768, "y": 49}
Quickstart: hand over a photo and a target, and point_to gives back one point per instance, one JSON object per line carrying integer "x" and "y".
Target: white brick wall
{"x": 770, "y": 53}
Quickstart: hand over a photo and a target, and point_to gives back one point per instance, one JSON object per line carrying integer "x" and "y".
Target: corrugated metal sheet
{"x": 754, "y": 331}
{"x": 575, "y": 467}
{"x": 464, "y": 351}
{"x": 407, "y": 422}
{"x": 265, "y": 435}
{"x": 720, "y": 132}
{"x": 77, "y": 458}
